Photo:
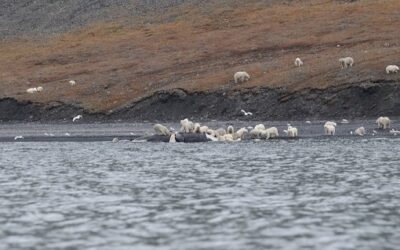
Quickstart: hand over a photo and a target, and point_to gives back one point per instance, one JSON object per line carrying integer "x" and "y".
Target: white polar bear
{"x": 187, "y": 126}
{"x": 330, "y": 123}
{"x": 298, "y": 62}
{"x": 383, "y": 122}
{"x": 203, "y": 129}
{"x": 32, "y": 90}
{"x": 392, "y": 69}
{"x": 241, "y": 76}
{"x": 230, "y": 130}
{"x": 346, "y": 62}
{"x": 329, "y": 129}
{"x": 196, "y": 128}
{"x": 260, "y": 126}
{"x": 272, "y": 132}
{"x": 255, "y": 133}
{"x": 291, "y": 131}
{"x": 240, "y": 134}
{"x": 161, "y": 130}
{"x": 39, "y": 89}
{"x": 360, "y": 131}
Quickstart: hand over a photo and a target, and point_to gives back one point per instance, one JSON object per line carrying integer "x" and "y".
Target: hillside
{"x": 120, "y": 52}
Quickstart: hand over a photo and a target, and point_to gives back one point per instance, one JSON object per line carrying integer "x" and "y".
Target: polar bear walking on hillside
{"x": 298, "y": 62}
{"x": 392, "y": 69}
{"x": 241, "y": 76}
{"x": 346, "y": 62}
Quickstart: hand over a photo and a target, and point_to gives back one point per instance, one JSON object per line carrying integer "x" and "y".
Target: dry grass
{"x": 115, "y": 64}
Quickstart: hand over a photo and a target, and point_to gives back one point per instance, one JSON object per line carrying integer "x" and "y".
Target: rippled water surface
{"x": 314, "y": 193}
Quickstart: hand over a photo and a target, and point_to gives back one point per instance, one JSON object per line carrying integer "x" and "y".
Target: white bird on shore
{"x": 76, "y": 118}
{"x": 47, "y": 134}
{"x": 344, "y": 121}
{"x": 18, "y": 137}
{"x": 308, "y": 122}
{"x": 246, "y": 113}
{"x": 67, "y": 134}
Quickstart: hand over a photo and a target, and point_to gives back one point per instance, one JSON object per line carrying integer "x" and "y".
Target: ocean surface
{"x": 316, "y": 192}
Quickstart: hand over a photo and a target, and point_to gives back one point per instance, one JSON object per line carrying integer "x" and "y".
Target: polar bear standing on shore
{"x": 230, "y": 130}
{"x": 330, "y": 128}
{"x": 272, "y": 132}
{"x": 360, "y": 131}
{"x": 161, "y": 130}
{"x": 383, "y": 122}
{"x": 196, "y": 128}
{"x": 346, "y": 62}
{"x": 187, "y": 126}
{"x": 240, "y": 134}
{"x": 241, "y": 76}
{"x": 291, "y": 131}
{"x": 392, "y": 69}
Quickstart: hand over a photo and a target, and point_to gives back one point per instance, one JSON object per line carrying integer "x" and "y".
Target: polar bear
{"x": 240, "y": 134}
{"x": 203, "y": 129}
{"x": 329, "y": 129}
{"x": 255, "y": 133}
{"x": 241, "y": 76}
{"x": 31, "y": 90}
{"x": 196, "y": 128}
{"x": 273, "y": 132}
{"x": 346, "y": 62}
{"x": 298, "y": 62}
{"x": 360, "y": 131}
{"x": 260, "y": 126}
{"x": 187, "y": 126}
{"x": 230, "y": 130}
{"x": 383, "y": 122}
{"x": 161, "y": 130}
{"x": 392, "y": 69}
{"x": 291, "y": 131}
{"x": 330, "y": 123}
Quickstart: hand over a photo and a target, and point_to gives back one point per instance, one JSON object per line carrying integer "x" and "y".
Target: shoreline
{"x": 354, "y": 101}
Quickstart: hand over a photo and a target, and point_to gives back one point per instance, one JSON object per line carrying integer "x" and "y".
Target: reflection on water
{"x": 305, "y": 194}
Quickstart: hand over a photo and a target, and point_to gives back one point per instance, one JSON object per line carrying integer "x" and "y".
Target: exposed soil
{"x": 127, "y": 64}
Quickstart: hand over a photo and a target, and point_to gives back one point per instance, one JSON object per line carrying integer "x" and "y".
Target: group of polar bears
{"x": 258, "y": 132}
{"x": 221, "y": 134}
{"x": 383, "y": 123}
{"x": 345, "y": 62}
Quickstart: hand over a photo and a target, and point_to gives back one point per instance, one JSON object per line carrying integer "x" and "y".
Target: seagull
{"x": 47, "y": 134}
{"x": 344, "y": 121}
{"x": 246, "y": 113}
{"x": 67, "y": 134}
{"x": 76, "y": 118}
{"x": 308, "y": 122}
{"x": 18, "y": 137}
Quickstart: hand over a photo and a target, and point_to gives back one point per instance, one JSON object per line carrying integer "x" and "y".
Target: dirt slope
{"x": 199, "y": 47}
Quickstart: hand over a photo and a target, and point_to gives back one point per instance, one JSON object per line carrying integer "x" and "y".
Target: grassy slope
{"x": 200, "y": 49}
